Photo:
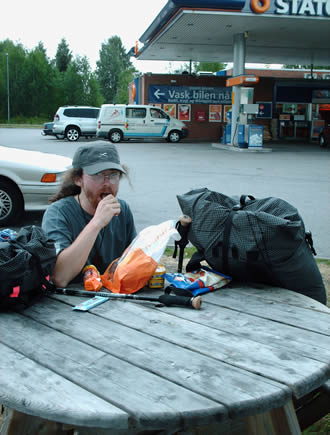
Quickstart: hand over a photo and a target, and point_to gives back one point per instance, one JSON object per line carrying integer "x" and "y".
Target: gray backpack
{"x": 255, "y": 240}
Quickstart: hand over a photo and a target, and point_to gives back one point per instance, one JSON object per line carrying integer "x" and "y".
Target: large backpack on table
{"x": 26, "y": 263}
{"x": 255, "y": 240}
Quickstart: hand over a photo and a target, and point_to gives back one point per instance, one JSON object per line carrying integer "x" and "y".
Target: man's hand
{"x": 107, "y": 208}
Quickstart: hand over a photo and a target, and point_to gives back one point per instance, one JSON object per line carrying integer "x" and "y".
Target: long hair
{"x": 68, "y": 186}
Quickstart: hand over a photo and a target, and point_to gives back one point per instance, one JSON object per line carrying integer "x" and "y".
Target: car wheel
{"x": 59, "y": 136}
{"x": 115, "y": 136}
{"x": 322, "y": 141}
{"x": 11, "y": 203}
{"x": 174, "y": 136}
{"x": 72, "y": 134}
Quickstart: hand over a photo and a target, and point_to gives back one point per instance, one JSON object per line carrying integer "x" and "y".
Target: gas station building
{"x": 230, "y": 105}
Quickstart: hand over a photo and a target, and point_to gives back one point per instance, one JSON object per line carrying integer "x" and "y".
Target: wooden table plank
{"x": 238, "y": 390}
{"x": 151, "y": 401}
{"x": 283, "y": 336}
{"x": 301, "y": 374}
{"x": 303, "y": 318}
{"x": 30, "y": 388}
{"x": 278, "y": 295}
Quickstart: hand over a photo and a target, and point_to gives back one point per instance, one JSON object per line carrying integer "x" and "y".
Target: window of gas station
{"x": 299, "y": 120}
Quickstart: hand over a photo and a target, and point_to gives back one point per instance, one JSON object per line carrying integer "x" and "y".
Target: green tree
{"x": 91, "y": 90}
{"x": 112, "y": 62}
{"x": 125, "y": 78}
{"x": 38, "y": 87}
{"x": 16, "y": 59}
{"x": 39, "y": 90}
{"x": 198, "y": 66}
{"x": 310, "y": 67}
{"x": 78, "y": 85}
{"x": 63, "y": 56}
{"x": 208, "y": 66}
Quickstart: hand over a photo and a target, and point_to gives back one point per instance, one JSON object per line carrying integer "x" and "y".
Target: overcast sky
{"x": 84, "y": 25}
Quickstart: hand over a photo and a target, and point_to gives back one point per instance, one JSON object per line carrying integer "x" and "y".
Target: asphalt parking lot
{"x": 298, "y": 173}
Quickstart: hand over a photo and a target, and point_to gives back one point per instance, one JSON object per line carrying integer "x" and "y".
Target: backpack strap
{"x": 182, "y": 243}
{"x": 243, "y": 199}
{"x": 226, "y": 238}
{"x": 309, "y": 240}
{"x": 227, "y": 229}
{"x": 195, "y": 262}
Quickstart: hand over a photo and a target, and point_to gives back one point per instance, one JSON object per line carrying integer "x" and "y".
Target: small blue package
{"x": 90, "y": 303}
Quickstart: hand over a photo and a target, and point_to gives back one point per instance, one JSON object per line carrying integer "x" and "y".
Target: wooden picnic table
{"x": 233, "y": 367}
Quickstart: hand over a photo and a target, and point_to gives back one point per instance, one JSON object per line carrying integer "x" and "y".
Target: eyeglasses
{"x": 99, "y": 178}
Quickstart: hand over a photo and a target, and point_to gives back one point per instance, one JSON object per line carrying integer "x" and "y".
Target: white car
{"x": 27, "y": 180}
{"x": 75, "y": 121}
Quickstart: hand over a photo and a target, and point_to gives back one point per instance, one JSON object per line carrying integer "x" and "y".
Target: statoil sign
{"x": 189, "y": 94}
{"x": 304, "y": 7}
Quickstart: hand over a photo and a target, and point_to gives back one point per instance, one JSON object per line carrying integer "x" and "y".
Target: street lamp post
{"x": 8, "y": 88}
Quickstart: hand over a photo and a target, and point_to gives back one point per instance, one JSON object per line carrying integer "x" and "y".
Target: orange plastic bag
{"x": 135, "y": 267}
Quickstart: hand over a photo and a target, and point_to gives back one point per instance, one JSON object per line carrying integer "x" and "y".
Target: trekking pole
{"x": 183, "y": 227}
{"x": 165, "y": 299}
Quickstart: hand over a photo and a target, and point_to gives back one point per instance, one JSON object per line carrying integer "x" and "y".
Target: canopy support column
{"x": 238, "y": 69}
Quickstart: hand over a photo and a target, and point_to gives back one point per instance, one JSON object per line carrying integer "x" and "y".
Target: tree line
{"x": 39, "y": 85}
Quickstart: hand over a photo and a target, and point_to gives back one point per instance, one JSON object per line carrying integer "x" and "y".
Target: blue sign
{"x": 265, "y": 110}
{"x": 189, "y": 94}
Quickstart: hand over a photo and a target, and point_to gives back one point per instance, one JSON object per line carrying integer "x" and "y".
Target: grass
{"x": 188, "y": 251}
{"x": 323, "y": 261}
{"x": 322, "y": 427}
{"x": 23, "y": 122}
{"x": 17, "y": 120}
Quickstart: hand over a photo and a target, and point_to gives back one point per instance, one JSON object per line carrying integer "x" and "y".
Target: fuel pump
{"x": 244, "y": 108}
{"x": 247, "y": 129}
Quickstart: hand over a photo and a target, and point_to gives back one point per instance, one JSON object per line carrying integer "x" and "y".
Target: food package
{"x": 200, "y": 281}
{"x": 139, "y": 261}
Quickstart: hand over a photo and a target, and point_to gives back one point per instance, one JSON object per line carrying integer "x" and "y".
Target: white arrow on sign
{"x": 157, "y": 93}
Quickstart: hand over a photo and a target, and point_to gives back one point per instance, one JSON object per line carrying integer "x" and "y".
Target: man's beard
{"x": 95, "y": 197}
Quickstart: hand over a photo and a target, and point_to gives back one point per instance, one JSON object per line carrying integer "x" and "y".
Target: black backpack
{"x": 254, "y": 240}
{"x": 26, "y": 263}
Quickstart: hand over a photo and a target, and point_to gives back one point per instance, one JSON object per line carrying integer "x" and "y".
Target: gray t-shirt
{"x": 65, "y": 219}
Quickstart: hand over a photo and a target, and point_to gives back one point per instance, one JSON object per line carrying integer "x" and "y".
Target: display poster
{"x": 320, "y": 94}
{"x": 215, "y": 112}
{"x": 226, "y": 109}
{"x": 290, "y": 108}
{"x": 255, "y": 135}
{"x": 184, "y": 112}
{"x": 265, "y": 109}
{"x": 170, "y": 109}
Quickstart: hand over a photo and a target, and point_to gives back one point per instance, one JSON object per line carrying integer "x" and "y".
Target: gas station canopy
{"x": 275, "y": 31}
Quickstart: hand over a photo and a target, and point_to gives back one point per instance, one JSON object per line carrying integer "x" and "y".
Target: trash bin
{"x": 255, "y": 136}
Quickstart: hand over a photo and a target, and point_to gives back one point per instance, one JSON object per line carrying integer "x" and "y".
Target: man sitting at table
{"x": 87, "y": 221}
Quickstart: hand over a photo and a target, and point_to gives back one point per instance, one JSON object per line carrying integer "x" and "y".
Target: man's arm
{"x": 72, "y": 259}
{"x": 73, "y": 255}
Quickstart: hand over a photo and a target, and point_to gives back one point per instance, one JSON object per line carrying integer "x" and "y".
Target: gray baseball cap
{"x": 97, "y": 157}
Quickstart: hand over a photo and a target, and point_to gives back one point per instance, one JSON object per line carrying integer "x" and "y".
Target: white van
{"x": 118, "y": 122}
